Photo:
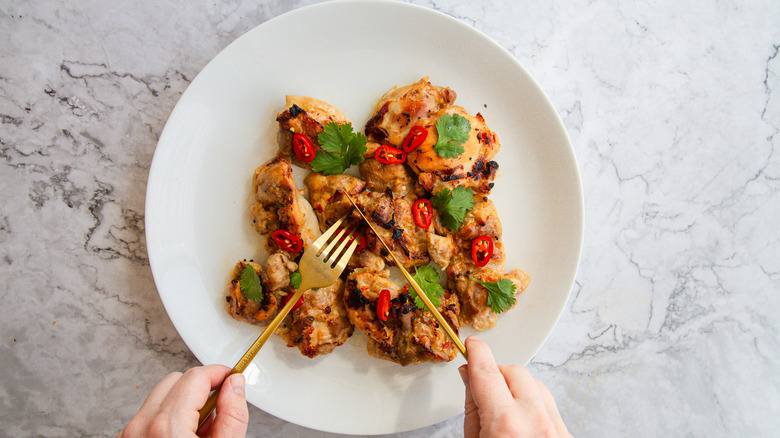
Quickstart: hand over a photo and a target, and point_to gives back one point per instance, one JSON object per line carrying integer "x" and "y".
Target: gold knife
{"x": 442, "y": 322}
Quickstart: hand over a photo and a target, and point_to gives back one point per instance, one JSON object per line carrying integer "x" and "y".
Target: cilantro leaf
{"x": 453, "y": 131}
{"x": 428, "y": 280}
{"x": 453, "y": 205}
{"x": 341, "y": 148}
{"x": 250, "y": 284}
{"x": 295, "y": 279}
{"x": 501, "y": 294}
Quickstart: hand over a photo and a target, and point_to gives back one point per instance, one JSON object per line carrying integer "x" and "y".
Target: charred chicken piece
{"x": 307, "y": 117}
{"x": 320, "y": 324}
{"x": 279, "y": 205}
{"x": 474, "y": 168}
{"x": 380, "y": 177}
{"x": 275, "y": 278}
{"x": 473, "y": 296}
{"x": 401, "y": 108}
{"x": 403, "y": 333}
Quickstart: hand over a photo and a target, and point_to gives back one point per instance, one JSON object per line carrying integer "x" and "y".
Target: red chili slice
{"x": 389, "y": 155}
{"x": 361, "y": 242}
{"x": 414, "y": 139}
{"x": 297, "y": 304}
{"x": 287, "y": 241}
{"x": 303, "y": 148}
{"x": 422, "y": 212}
{"x": 383, "y": 305}
{"x": 481, "y": 250}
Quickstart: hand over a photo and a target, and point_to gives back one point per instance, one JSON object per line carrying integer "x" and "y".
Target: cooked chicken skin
{"x": 307, "y": 116}
{"x": 482, "y": 220}
{"x": 380, "y": 176}
{"x": 409, "y": 335}
{"x": 279, "y": 204}
{"x": 277, "y": 269}
{"x": 327, "y": 197}
{"x": 401, "y": 108}
{"x": 320, "y": 324}
{"x": 422, "y": 104}
{"x": 473, "y": 168}
{"x": 473, "y": 296}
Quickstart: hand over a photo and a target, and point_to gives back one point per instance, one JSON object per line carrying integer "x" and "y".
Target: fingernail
{"x": 464, "y": 374}
{"x": 238, "y": 382}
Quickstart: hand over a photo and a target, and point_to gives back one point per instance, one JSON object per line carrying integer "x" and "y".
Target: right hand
{"x": 506, "y": 400}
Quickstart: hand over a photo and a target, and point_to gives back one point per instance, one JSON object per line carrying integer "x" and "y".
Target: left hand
{"x": 171, "y": 409}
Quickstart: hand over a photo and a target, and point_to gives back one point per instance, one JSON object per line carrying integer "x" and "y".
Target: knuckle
{"x": 159, "y": 426}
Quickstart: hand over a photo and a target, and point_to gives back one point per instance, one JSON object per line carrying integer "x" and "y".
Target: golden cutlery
{"x": 442, "y": 322}
{"x": 321, "y": 264}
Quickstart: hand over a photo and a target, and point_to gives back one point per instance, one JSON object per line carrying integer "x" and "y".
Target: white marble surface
{"x": 672, "y": 108}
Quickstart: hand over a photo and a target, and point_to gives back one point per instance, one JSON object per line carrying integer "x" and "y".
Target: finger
{"x": 205, "y": 429}
{"x": 152, "y": 403}
{"x": 486, "y": 382}
{"x": 471, "y": 424}
{"x": 552, "y": 410}
{"x": 232, "y": 412}
{"x": 521, "y": 383}
{"x": 191, "y": 391}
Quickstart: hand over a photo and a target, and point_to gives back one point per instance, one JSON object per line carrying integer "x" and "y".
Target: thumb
{"x": 232, "y": 413}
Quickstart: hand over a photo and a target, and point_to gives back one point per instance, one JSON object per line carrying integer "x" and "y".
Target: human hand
{"x": 506, "y": 400}
{"x": 171, "y": 408}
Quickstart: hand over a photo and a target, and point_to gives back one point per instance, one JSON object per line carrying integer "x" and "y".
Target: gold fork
{"x": 321, "y": 264}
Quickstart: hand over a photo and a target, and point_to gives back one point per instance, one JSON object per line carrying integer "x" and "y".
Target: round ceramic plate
{"x": 349, "y": 53}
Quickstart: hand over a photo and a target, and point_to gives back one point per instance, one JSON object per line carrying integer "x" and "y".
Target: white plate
{"x": 348, "y": 54}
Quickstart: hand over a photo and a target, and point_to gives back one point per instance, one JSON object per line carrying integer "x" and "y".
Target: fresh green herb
{"x": 295, "y": 279}
{"x": 250, "y": 284}
{"x": 453, "y": 131}
{"x": 341, "y": 148}
{"x": 501, "y": 294}
{"x": 453, "y": 205}
{"x": 428, "y": 280}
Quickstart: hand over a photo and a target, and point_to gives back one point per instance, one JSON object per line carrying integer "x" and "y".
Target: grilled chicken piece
{"x": 307, "y": 116}
{"x": 275, "y": 278}
{"x": 327, "y": 198}
{"x": 280, "y": 205}
{"x": 473, "y": 296}
{"x": 441, "y": 248}
{"x": 422, "y": 104}
{"x": 401, "y": 108}
{"x": 380, "y": 176}
{"x": 409, "y": 335}
{"x": 320, "y": 324}
{"x": 482, "y": 220}
{"x": 473, "y": 168}
{"x": 391, "y": 217}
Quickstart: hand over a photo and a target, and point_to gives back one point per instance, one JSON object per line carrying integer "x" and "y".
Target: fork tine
{"x": 330, "y": 231}
{"x": 341, "y": 236}
{"x": 348, "y": 238}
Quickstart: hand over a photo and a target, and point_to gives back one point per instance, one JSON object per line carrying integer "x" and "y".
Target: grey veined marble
{"x": 673, "y": 111}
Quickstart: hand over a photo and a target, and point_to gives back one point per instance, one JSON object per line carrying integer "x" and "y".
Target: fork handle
{"x": 250, "y": 354}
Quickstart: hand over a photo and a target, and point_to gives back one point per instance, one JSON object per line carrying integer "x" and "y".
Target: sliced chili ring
{"x": 297, "y": 304}
{"x": 361, "y": 243}
{"x": 303, "y": 148}
{"x": 481, "y": 250}
{"x": 389, "y": 155}
{"x": 383, "y": 305}
{"x": 414, "y": 138}
{"x": 287, "y": 241}
{"x": 422, "y": 212}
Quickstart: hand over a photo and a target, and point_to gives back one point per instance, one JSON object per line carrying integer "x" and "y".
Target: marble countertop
{"x": 672, "y": 325}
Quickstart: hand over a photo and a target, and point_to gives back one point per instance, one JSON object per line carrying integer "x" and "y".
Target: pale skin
{"x": 501, "y": 400}
{"x": 505, "y": 400}
{"x": 171, "y": 409}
